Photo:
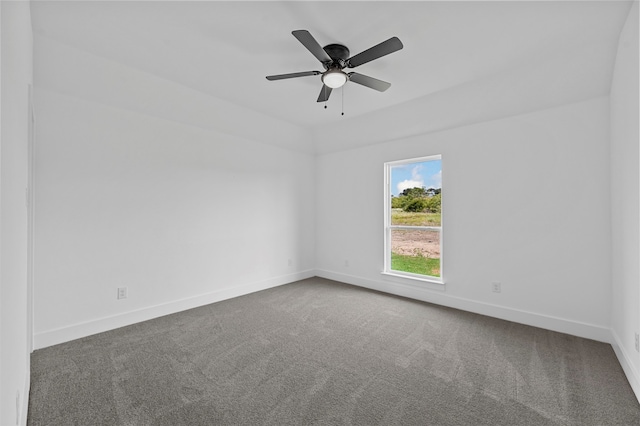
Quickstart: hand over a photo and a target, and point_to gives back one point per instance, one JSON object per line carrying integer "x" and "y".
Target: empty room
{"x": 299, "y": 212}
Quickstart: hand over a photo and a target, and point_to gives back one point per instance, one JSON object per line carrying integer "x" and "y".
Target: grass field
{"x": 415, "y": 264}
{"x": 400, "y": 217}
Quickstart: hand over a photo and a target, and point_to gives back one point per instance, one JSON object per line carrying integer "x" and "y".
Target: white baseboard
{"x": 439, "y": 297}
{"x": 76, "y": 331}
{"x": 627, "y": 366}
{"x": 24, "y": 410}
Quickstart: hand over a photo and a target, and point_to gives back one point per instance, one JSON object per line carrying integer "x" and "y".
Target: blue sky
{"x": 427, "y": 174}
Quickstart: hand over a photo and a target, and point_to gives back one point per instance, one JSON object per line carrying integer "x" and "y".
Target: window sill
{"x": 430, "y": 283}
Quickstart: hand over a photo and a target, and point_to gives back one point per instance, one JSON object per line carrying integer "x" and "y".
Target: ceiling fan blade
{"x": 292, "y": 75}
{"x": 389, "y": 46}
{"x": 370, "y": 82}
{"x": 324, "y": 93}
{"x": 311, "y": 44}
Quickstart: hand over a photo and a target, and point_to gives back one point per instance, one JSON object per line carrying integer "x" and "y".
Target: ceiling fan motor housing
{"x": 339, "y": 55}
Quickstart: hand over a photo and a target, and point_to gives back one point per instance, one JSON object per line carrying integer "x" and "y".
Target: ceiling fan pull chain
{"x": 343, "y": 99}
{"x": 326, "y": 99}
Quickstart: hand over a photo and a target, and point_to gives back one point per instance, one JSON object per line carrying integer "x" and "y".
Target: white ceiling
{"x": 225, "y": 49}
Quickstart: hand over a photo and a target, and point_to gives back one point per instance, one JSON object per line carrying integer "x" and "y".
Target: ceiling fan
{"x": 335, "y": 58}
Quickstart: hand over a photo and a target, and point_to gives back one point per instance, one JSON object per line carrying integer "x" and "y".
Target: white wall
{"x": 178, "y": 212}
{"x": 525, "y": 202}
{"x": 71, "y": 71}
{"x": 625, "y": 216}
{"x": 16, "y": 72}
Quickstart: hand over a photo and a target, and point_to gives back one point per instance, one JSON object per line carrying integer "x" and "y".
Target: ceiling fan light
{"x": 334, "y": 78}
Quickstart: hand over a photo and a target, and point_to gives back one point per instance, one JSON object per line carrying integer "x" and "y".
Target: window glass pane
{"x": 416, "y": 251}
{"x": 423, "y": 218}
{"x": 416, "y": 192}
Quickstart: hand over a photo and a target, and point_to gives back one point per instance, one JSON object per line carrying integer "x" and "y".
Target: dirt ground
{"x": 414, "y": 243}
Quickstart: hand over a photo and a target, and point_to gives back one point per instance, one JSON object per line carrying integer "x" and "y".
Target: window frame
{"x": 388, "y": 227}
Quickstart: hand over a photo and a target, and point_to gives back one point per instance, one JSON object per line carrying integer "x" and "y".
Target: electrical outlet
{"x": 122, "y": 292}
{"x": 637, "y": 343}
{"x": 496, "y": 287}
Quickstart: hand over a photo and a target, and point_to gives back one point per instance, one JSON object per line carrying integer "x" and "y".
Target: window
{"x": 413, "y": 218}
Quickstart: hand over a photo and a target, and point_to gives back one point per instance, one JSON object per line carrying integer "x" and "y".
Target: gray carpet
{"x": 317, "y": 352}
